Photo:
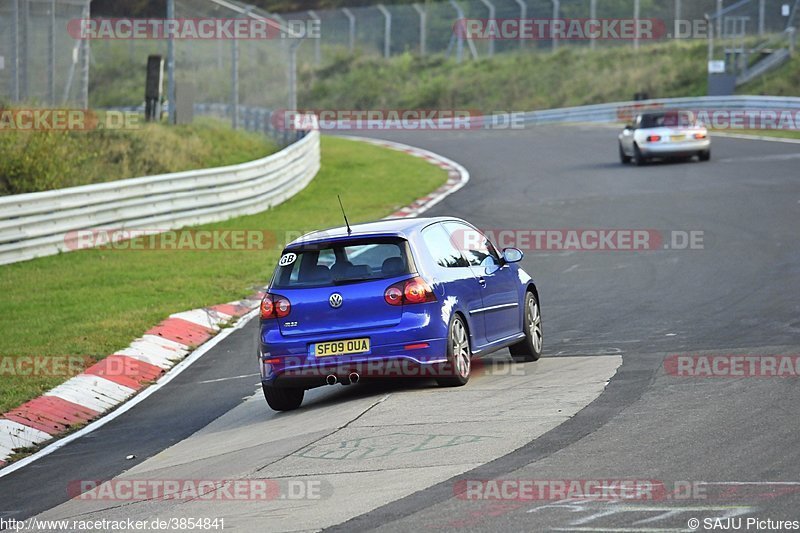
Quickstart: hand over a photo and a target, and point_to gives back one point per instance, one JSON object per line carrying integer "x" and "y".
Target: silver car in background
{"x": 667, "y": 134}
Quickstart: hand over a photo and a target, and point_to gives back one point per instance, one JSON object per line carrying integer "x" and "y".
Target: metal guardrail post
{"x": 423, "y": 27}
{"x": 351, "y": 20}
{"x": 387, "y": 29}
{"x": 490, "y": 6}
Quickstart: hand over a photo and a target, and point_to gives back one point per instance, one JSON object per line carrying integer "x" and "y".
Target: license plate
{"x": 344, "y": 347}
{"x": 677, "y": 138}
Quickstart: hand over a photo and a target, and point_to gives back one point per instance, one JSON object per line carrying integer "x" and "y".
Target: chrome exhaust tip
{"x": 331, "y": 379}
{"x": 353, "y": 377}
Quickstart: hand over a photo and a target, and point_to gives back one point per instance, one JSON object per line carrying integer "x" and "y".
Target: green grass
{"x": 525, "y": 81}
{"x": 94, "y": 302}
{"x": 36, "y": 161}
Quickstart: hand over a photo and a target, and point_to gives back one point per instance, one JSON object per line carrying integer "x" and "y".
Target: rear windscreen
{"x": 342, "y": 262}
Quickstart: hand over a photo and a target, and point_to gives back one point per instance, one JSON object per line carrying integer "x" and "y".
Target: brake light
{"x": 700, "y": 135}
{"x": 653, "y": 138}
{"x": 393, "y": 295}
{"x": 411, "y": 291}
{"x": 274, "y": 306}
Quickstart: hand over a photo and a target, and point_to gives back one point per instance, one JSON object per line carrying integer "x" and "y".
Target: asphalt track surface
{"x": 734, "y": 439}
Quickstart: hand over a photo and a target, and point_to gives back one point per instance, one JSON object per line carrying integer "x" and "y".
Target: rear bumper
{"x": 674, "y": 149}
{"x": 417, "y": 346}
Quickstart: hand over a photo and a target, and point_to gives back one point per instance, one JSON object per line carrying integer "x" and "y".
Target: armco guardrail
{"x": 621, "y": 111}
{"x": 37, "y": 224}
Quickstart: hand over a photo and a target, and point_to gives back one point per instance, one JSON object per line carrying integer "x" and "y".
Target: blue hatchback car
{"x": 389, "y": 299}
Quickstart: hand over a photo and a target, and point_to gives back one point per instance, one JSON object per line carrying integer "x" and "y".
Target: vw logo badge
{"x": 335, "y": 300}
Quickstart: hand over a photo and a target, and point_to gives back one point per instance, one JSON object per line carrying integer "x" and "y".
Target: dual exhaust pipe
{"x": 353, "y": 378}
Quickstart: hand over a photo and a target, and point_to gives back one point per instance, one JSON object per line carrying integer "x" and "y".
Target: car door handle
{"x": 482, "y": 281}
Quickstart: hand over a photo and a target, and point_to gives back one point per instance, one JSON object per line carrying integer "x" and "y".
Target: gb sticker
{"x": 287, "y": 259}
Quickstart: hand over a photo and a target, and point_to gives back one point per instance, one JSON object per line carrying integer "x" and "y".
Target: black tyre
{"x": 283, "y": 399}
{"x": 530, "y": 348}
{"x": 625, "y": 159}
{"x": 638, "y": 158}
{"x": 459, "y": 356}
{"x": 705, "y": 155}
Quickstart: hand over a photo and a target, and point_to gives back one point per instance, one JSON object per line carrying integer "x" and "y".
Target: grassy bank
{"x": 524, "y": 80}
{"x": 35, "y": 161}
{"x": 94, "y": 302}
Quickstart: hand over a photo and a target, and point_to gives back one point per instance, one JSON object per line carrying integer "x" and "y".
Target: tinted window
{"x": 441, "y": 248}
{"x": 345, "y": 262}
{"x": 474, "y": 245}
{"x": 652, "y": 121}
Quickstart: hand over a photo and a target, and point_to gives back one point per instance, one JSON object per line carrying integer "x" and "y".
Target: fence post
{"x": 459, "y": 33}
{"x": 351, "y": 19}
{"x": 593, "y": 16}
{"x": 423, "y": 27}
{"x": 51, "y": 55}
{"x": 523, "y": 14}
{"x": 317, "y": 49}
{"x": 15, "y": 48}
{"x": 85, "y": 53}
{"x": 636, "y": 9}
{"x": 556, "y": 13}
{"x": 234, "y": 84}
{"x": 719, "y": 19}
{"x": 387, "y": 29}
{"x": 25, "y": 52}
{"x": 171, "y": 64}
{"x": 676, "y": 22}
{"x": 490, "y": 6}
{"x": 761, "y": 16}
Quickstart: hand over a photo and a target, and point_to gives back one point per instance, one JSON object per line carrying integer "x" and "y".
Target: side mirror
{"x": 512, "y": 255}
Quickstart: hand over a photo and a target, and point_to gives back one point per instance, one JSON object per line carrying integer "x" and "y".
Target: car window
{"x": 652, "y": 121}
{"x": 346, "y": 262}
{"x": 474, "y": 245}
{"x": 441, "y": 247}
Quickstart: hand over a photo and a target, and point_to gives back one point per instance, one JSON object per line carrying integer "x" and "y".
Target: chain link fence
{"x": 40, "y": 62}
{"x": 428, "y": 27}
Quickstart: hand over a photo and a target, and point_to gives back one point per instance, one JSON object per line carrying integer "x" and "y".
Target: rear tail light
{"x": 653, "y": 138}
{"x": 410, "y": 291}
{"x": 274, "y": 306}
{"x": 700, "y": 135}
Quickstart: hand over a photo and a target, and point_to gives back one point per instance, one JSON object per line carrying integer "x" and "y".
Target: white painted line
{"x": 16, "y": 435}
{"x": 124, "y": 408}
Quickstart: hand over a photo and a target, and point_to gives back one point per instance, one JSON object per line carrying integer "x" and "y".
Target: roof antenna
{"x": 346, "y": 223}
